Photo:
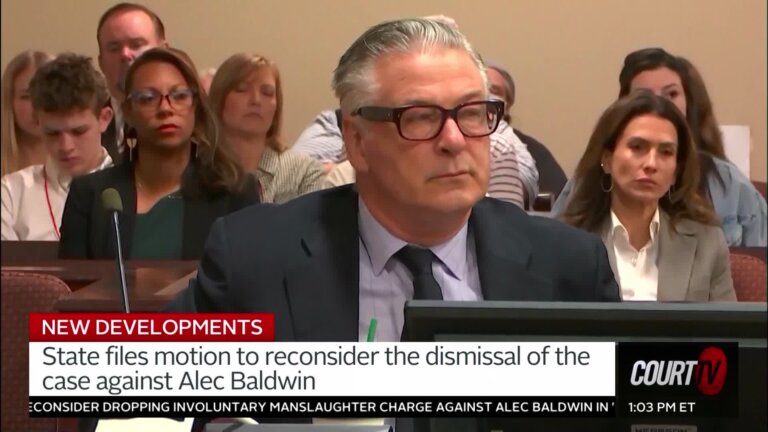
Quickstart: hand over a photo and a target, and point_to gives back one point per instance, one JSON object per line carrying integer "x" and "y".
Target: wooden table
{"x": 94, "y": 284}
{"x": 27, "y": 251}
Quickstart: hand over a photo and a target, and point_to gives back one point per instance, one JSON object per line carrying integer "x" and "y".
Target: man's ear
{"x": 352, "y": 134}
{"x": 105, "y": 117}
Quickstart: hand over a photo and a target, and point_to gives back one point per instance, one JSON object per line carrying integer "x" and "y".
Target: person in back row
{"x": 124, "y": 31}
{"x": 247, "y": 96}
{"x": 176, "y": 181}
{"x": 552, "y": 178}
{"x": 741, "y": 209}
{"x": 21, "y": 144}
{"x": 637, "y": 187}
{"x": 70, "y": 101}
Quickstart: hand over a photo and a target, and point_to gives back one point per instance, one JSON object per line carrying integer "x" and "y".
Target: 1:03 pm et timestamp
{"x": 661, "y": 407}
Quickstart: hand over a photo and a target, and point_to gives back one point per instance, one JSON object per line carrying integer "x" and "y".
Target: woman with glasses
{"x": 177, "y": 179}
{"x": 739, "y": 206}
{"x": 638, "y": 190}
{"x": 247, "y": 97}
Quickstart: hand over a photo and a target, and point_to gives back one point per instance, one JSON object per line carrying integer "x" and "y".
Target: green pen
{"x": 372, "y": 330}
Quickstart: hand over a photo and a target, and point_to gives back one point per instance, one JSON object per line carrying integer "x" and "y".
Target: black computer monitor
{"x": 744, "y": 323}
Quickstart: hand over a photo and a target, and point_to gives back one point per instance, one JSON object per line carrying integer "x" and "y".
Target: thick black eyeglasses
{"x": 179, "y": 99}
{"x": 425, "y": 122}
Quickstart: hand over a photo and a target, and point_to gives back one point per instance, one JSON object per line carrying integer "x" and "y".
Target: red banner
{"x": 151, "y": 327}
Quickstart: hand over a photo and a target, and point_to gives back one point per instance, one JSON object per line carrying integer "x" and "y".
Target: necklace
{"x": 141, "y": 187}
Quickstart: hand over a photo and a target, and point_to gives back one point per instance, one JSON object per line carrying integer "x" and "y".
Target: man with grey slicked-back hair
{"x": 354, "y": 84}
{"x": 417, "y": 225}
{"x": 352, "y": 77}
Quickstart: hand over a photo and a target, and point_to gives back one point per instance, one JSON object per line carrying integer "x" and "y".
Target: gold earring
{"x": 602, "y": 180}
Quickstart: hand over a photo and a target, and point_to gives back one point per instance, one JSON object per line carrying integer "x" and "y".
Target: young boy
{"x": 69, "y": 98}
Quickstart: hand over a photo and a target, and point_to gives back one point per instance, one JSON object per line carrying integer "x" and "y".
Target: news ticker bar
{"x": 298, "y": 407}
{"x": 375, "y": 406}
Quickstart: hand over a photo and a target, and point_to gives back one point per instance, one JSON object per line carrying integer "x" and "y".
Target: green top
{"x": 158, "y": 232}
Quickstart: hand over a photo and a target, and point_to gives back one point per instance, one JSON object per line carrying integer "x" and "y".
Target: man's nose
{"x": 127, "y": 53}
{"x": 451, "y": 139}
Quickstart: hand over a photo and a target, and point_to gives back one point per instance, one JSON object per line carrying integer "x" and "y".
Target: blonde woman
{"x": 22, "y": 144}
{"x": 247, "y": 96}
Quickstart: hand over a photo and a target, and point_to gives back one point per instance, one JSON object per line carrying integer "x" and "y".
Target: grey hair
{"x": 353, "y": 80}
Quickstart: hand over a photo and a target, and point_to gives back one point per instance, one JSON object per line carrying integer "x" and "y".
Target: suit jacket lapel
{"x": 503, "y": 256}
{"x": 676, "y": 256}
{"x": 323, "y": 286}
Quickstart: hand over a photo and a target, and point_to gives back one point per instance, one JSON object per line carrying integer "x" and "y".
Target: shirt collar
{"x": 617, "y": 227}
{"x": 62, "y": 179}
{"x": 269, "y": 161}
{"x": 381, "y": 245}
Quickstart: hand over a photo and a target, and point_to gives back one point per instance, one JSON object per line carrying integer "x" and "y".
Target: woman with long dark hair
{"x": 741, "y": 209}
{"x": 638, "y": 189}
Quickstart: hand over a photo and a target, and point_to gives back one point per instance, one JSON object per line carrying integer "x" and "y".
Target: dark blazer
{"x": 299, "y": 260}
{"x": 86, "y": 226}
{"x": 552, "y": 178}
{"x": 308, "y": 274}
{"x": 109, "y": 142}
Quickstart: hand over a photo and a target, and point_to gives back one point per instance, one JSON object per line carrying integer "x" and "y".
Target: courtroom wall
{"x": 564, "y": 55}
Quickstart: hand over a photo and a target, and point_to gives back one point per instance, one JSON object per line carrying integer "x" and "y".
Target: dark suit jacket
{"x": 86, "y": 228}
{"x": 109, "y": 142}
{"x": 300, "y": 261}
{"x": 552, "y": 178}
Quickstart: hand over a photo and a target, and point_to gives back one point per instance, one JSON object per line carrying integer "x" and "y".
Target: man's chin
{"x": 455, "y": 200}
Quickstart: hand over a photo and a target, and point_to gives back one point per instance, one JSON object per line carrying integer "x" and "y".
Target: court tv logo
{"x": 707, "y": 373}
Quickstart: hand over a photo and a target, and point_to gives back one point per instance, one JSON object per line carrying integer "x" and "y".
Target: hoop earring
{"x": 602, "y": 183}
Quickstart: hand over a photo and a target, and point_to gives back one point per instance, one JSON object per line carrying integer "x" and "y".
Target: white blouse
{"x": 638, "y": 270}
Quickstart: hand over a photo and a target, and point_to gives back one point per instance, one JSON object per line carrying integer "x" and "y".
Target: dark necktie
{"x": 419, "y": 262}
{"x": 425, "y": 287}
